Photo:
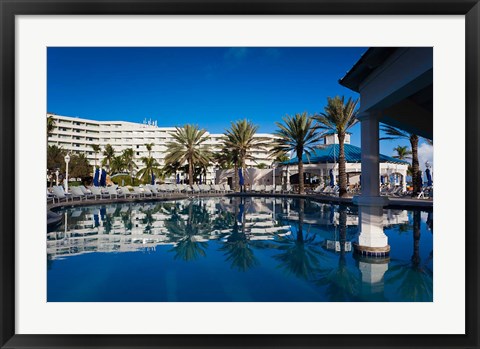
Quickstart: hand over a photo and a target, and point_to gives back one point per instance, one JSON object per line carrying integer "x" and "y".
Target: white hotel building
{"x": 77, "y": 135}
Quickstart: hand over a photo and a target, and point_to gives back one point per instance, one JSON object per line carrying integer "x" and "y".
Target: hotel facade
{"x": 77, "y": 135}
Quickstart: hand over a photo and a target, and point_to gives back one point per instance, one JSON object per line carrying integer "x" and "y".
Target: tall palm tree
{"x": 149, "y": 147}
{"x": 171, "y": 169}
{"x": 117, "y": 164}
{"x": 128, "y": 158}
{"x": 151, "y": 167}
{"x": 297, "y": 134}
{"x": 228, "y": 158}
{"x": 50, "y": 125}
{"x": 395, "y": 133}
{"x": 241, "y": 138}
{"x": 108, "y": 155}
{"x": 339, "y": 116}
{"x": 96, "y": 150}
{"x": 402, "y": 152}
{"x": 188, "y": 146}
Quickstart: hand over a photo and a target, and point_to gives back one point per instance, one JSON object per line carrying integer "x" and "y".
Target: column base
{"x": 372, "y": 252}
{"x": 379, "y": 201}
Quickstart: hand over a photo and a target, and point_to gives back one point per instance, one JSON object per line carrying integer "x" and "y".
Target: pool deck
{"x": 394, "y": 202}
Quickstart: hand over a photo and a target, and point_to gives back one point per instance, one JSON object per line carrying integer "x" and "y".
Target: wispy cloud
{"x": 425, "y": 153}
{"x": 236, "y": 53}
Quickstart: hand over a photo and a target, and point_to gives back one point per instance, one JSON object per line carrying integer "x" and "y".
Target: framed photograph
{"x": 225, "y": 174}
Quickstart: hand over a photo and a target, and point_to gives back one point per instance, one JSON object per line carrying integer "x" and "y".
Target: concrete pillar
{"x": 372, "y": 241}
{"x": 370, "y": 156}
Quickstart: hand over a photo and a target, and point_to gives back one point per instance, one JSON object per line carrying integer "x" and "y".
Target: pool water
{"x": 234, "y": 249}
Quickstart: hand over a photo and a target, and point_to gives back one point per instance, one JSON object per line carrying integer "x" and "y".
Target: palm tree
{"x": 402, "y": 152}
{"x": 128, "y": 156}
{"x": 109, "y": 154}
{"x": 296, "y": 134}
{"x": 171, "y": 169}
{"x": 188, "y": 147}
{"x": 228, "y": 158}
{"x": 50, "y": 125}
{"x": 151, "y": 167}
{"x": 240, "y": 138}
{"x": 117, "y": 164}
{"x": 149, "y": 147}
{"x": 395, "y": 133}
{"x": 338, "y": 117}
{"x": 96, "y": 149}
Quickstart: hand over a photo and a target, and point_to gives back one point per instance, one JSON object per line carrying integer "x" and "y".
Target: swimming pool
{"x": 233, "y": 249}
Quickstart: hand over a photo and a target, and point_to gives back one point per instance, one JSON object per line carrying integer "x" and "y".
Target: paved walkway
{"x": 393, "y": 202}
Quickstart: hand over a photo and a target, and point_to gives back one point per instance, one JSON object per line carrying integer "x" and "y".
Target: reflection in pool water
{"x": 234, "y": 249}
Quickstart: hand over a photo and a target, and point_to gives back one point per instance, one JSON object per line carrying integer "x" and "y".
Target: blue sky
{"x": 206, "y": 86}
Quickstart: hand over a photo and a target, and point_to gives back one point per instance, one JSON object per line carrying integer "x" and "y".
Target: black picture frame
{"x": 11, "y": 8}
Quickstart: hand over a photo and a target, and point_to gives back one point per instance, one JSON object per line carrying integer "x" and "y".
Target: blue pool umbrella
{"x": 332, "y": 180}
{"x": 241, "y": 180}
{"x": 200, "y": 179}
{"x": 429, "y": 177}
{"x": 178, "y": 178}
{"x": 332, "y": 213}
{"x": 103, "y": 178}
{"x": 153, "y": 179}
{"x": 382, "y": 179}
{"x": 95, "y": 177}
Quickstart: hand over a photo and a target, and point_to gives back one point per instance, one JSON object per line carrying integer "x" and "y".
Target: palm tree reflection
{"x": 414, "y": 278}
{"x": 190, "y": 234}
{"x": 300, "y": 254}
{"x": 237, "y": 246}
{"x": 342, "y": 283}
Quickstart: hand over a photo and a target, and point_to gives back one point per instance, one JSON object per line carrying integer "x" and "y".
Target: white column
{"x": 370, "y": 167}
{"x": 370, "y": 157}
{"x": 372, "y": 241}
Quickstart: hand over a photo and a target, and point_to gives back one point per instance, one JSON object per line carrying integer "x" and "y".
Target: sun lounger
{"x": 154, "y": 190}
{"x": 127, "y": 193}
{"x": 112, "y": 192}
{"x": 97, "y": 192}
{"x": 77, "y": 193}
{"x": 60, "y": 194}
{"x": 278, "y": 189}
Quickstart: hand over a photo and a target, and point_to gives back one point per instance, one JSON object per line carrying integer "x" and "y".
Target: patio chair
{"x": 50, "y": 197}
{"x": 77, "y": 193}
{"x": 60, "y": 194}
{"x": 278, "y": 189}
{"x": 87, "y": 192}
{"x": 127, "y": 193}
{"x": 154, "y": 190}
{"x": 112, "y": 192}
{"x": 97, "y": 192}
